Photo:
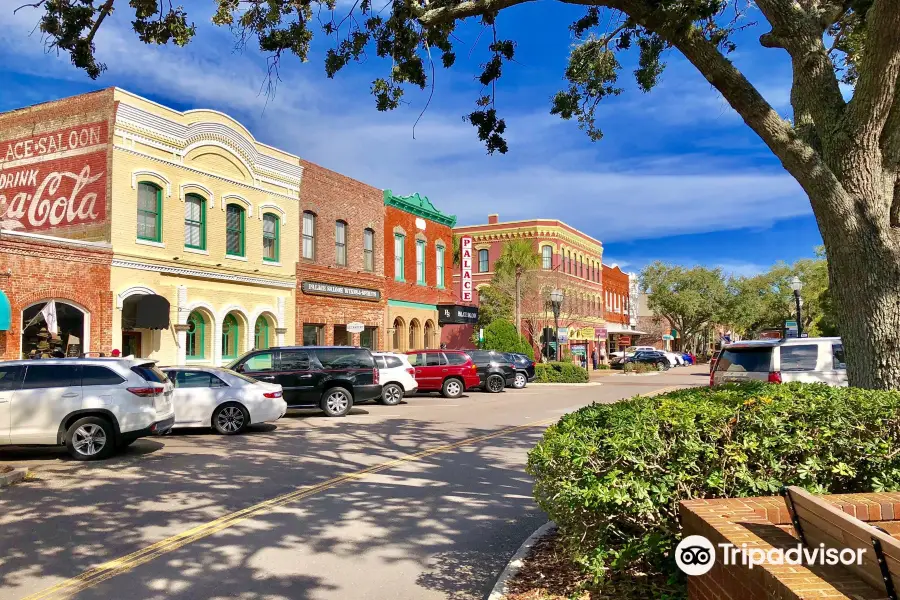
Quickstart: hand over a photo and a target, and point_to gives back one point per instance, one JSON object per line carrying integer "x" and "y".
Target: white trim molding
{"x": 148, "y": 173}
{"x": 185, "y": 272}
{"x": 238, "y": 198}
{"x": 261, "y": 209}
{"x": 136, "y": 290}
{"x": 206, "y": 192}
{"x": 269, "y": 313}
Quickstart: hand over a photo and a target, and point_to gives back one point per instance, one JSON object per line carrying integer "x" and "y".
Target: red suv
{"x": 450, "y": 372}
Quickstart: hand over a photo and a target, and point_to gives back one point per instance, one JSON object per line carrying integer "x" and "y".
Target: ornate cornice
{"x": 420, "y": 206}
{"x": 185, "y": 272}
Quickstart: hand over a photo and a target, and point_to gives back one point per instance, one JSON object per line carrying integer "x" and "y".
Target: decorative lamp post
{"x": 796, "y": 285}
{"x": 556, "y": 298}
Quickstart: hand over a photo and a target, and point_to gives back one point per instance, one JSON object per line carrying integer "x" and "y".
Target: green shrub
{"x": 602, "y": 367}
{"x": 611, "y": 475}
{"x": 502, "y": 336}
{"x": 560, "y": 372}
{"x": 639, "y": 368}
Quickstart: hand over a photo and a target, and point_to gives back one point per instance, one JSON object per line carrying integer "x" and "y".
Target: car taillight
{"x": 144, "y": 392}
{"x": 411, "y": 371}
{"x": 474, "y": 368}
{"x": 775, "y": 377}
{"x": 712, "y": 378}
{"x": 376, "y": 378}
{"x": 272, "y": 395}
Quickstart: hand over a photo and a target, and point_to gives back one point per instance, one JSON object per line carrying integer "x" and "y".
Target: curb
{"x": 515, "y": 563}
{"x": 586, "y": 384}
{"x": 14, "y": 476}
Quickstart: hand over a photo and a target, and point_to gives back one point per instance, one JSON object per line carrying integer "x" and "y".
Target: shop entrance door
{"x": 131, "y": 343}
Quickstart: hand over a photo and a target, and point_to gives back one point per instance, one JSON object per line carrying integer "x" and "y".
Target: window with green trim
{"x": 234, "y": 230}
{"x": 230, "y": 335}
{"x": 149, "y": 212}
{"x": 420, "y": 262}
{"x": 196, "y": 335}
{"x": 261, "y": 333}
{"x": 194, "y": 222}
{"x": 271, "y": 235}
{"x": 439, "y": 261}
{"x": 399, "y": 249}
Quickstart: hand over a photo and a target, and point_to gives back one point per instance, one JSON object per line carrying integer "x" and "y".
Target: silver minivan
{"x": 807, "y": 360}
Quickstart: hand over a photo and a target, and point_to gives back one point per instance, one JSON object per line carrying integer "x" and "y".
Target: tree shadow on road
{"x": 452, "y": 518}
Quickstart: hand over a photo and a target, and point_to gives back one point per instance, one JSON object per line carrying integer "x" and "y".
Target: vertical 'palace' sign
{"x": 465, "y": 251}
{"x": 55, "y": 179}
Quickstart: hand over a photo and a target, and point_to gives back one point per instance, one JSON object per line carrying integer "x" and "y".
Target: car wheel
{"x": 494, "y": 384}
{"x": 452, "y": 388}
{"x": 391, "y": 394}
{"x": 90, "y": 438}
{"x": 660, "y": 366}
{"x": 230, "y": 419}
{"x": 337, "y": 401}
{"x": 520, "y": 381}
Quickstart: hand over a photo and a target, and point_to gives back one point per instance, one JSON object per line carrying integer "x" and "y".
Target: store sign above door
{"x": 453, "y": 314}
{"x": 317, "y": 288}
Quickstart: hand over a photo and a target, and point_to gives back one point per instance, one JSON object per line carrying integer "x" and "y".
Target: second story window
{"x": 234, "y": 230}
{"x": 271, "y": 235}
{"x": 439, "y": 261}
{"x": 546, "y": 257}
{"x": 369, "y": 249}
{"x": 149, "y": 212}
{"x": 309, "y": 236}
{"x": 399, "y": 243}
{"x": 420, "y": 262}
{"x": 482, "y": 261}
{"x": 340, "y": 243}
{"x": 194, "y": 222}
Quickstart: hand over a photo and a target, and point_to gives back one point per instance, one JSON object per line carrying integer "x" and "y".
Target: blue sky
{"x": 677, "y": 177}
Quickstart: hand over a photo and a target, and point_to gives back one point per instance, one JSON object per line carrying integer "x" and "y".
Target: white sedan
{"x": 222, "y": 399}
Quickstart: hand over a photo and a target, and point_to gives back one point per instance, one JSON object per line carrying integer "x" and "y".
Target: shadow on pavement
{"x": 452, "y": 518}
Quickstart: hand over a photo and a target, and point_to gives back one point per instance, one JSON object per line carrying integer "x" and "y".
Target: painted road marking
{"x": 108, "y": 570}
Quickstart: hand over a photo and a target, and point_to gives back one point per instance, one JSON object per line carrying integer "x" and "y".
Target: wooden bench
{"x": 819, "y": 522}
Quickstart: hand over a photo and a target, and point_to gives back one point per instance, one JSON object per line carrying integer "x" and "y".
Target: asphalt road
{"x": 427, "y": 499}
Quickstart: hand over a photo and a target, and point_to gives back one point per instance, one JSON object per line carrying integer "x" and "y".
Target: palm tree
{"x": 516, "y": 259}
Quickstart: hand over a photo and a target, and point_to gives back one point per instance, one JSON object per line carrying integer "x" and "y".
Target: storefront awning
{"x": 456, "y": 314}
{"x": 151, "y": 312}
{"x": 622, "y": 329}
{"x": 5, "y": 313}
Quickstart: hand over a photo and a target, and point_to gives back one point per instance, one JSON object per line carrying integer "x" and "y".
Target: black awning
{"x": 455, "y": 314}
{"x": 151, "y": 312}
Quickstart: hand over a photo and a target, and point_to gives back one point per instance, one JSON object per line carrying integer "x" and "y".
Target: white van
{"x": 808, "y": 360}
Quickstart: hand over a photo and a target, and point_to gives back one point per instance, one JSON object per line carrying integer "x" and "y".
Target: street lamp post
{"x": 796, "y": 285}
{"x": 556, "y": 298}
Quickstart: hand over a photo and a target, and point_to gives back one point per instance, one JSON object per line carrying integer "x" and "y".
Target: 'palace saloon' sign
{"x": 454, "y": 314}
{"x": 340, "y": 291}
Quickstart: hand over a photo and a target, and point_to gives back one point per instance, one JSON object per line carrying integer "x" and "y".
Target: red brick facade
{"x": 396, "y": 221}
{"x": 333, "y": 197}
{"x": 615, "y": 294}
{"x": 34, "y": 270}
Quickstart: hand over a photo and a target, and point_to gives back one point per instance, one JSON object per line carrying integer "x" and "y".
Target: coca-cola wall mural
{"x": 55, "y": 182}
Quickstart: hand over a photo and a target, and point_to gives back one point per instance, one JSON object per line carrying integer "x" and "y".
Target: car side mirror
{"x": 239, "y": 369}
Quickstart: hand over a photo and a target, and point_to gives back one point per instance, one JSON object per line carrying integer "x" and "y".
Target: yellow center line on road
{"x": 104, "y": 571}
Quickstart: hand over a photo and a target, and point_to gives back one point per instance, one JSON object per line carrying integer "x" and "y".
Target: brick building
{"x": 340, "y": 273}
{"x": 200, "y": 218}
{"x": 571, "y": 261}
{"x": 619, "y": 289}
{"x": 418, "y": 249}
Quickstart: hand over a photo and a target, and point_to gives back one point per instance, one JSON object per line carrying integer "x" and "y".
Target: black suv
{"x": 494, "y": 370}
{"x": 328, "y": 377}
{"x": 524, "y": 369}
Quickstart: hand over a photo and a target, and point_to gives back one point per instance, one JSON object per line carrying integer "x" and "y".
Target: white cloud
{"x": 550, "y": 171}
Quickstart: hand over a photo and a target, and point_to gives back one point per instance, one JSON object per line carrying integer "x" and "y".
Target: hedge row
{"x": 611, "y": 475}
{"x": 560, "y": 372}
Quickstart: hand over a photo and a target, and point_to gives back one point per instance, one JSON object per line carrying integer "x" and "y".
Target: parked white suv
{"x": 397, "y": 376}
{"x": 90, "y": 405}
{"x": 808, "y": 360}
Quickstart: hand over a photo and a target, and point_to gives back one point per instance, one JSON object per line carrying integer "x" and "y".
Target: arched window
{"x": 73, "y": 328}
{"x": 234, "y": 230}
{"x": 271, "y": 237}
{"x": 194, "y": 222}
{"x": 369, "y": 249}
{"x": 149, "y": 212}
{"x": 230, "y": 335}
{"x": 429, "y": 334}
{"x": 340, "y": 243}
{"x": 482, "y": 261}
{"x": 261, "y": 333}
{"x": 414, "y": 330}
{"x": 196, "y": 335}
{"x": 399, "y": 331}
{"x": 547, "y": 257}
{"x": 309, "y": 235}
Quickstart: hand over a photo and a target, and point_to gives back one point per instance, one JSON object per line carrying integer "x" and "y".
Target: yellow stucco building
{"x": 204, "y": 225}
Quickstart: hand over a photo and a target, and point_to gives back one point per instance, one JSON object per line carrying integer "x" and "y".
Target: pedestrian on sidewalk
{"x": 595, "y": 358}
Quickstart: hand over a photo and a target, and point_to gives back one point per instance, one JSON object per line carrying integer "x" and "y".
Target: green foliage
{"x": 517, "y": 257}
{"x": 560, "y": 372}
{"x": 493, "y": 304}
{"x": 639, "y": 368}
{"x": 611, "y": 475}
{"x": 501, "y": 335}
